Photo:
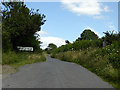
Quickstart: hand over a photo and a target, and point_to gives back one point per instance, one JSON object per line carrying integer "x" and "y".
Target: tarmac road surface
{"x": 53, "y": 74}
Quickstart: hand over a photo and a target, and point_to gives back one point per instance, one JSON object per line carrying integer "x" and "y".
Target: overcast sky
{"x": 67, "y": 20}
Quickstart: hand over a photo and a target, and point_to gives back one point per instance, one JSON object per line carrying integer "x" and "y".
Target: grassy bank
{"x": 21, "y": 58}
{"x": 96, "y": 60}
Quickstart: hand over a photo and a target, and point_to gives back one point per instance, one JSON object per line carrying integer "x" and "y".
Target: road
{"x": 54, "y": 74}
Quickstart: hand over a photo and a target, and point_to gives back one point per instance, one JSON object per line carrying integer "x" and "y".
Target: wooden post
{"x": 104, "y": 42}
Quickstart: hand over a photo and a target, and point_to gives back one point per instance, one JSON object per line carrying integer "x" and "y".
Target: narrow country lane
{"x": 54, "y": 74}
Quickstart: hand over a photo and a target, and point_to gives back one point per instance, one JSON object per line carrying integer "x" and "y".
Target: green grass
{"x": 22, "y": 58}
{"x": 94, "y": 60}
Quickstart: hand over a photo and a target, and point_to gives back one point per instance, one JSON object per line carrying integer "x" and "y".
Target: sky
{"x": 67, "y": 20}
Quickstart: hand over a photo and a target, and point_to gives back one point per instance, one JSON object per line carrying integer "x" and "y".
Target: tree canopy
{"x": 51, "y": 46}
{"x": 67, "y": 42}
{"x": 87, "y": 34}
{"x": 20, "y": 25}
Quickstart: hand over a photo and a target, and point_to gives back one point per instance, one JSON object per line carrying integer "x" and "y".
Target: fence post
{"x": 104, "y": 42}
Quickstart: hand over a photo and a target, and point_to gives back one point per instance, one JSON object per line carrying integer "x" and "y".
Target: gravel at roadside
{"x": 7, "y": 70}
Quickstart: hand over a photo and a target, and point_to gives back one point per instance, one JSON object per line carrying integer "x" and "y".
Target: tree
{"x": 78, "y": 39}
{"x": 20, "y": 24}
{"x": 67, "y": 41}
{"x": 88, "y": 35}
{"x": 51, "y": 46}
{"x": 110, "y": 37}
{"x": 46, "y": 49}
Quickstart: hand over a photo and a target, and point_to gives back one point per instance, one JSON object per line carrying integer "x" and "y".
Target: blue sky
{"x": 67, "y": 20}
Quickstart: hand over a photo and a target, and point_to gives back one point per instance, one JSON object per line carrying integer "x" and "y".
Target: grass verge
{"x": 92, "y": 60}
{"x": 12, "y": 60}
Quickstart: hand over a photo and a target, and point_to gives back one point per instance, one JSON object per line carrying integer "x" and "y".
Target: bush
{"x": 115, "y": 60}
{"x": 11, "y": 57}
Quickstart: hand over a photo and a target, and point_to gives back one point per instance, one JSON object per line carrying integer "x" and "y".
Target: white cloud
{"x": 93, "y": 31}
{"x": 85, "y": 7}
{"x": 106, "y": 9}
{"x": 47, "y": 40}
{"x": 99, "y": 17}
{"x": 111, "y": 26}
{"x": 42, "y": 32}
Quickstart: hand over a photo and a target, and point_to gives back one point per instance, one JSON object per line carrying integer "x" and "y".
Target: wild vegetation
{"x": 19, "y": 27}
{"x": 19, "y": 59}
{"x": 88, "y": 51}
